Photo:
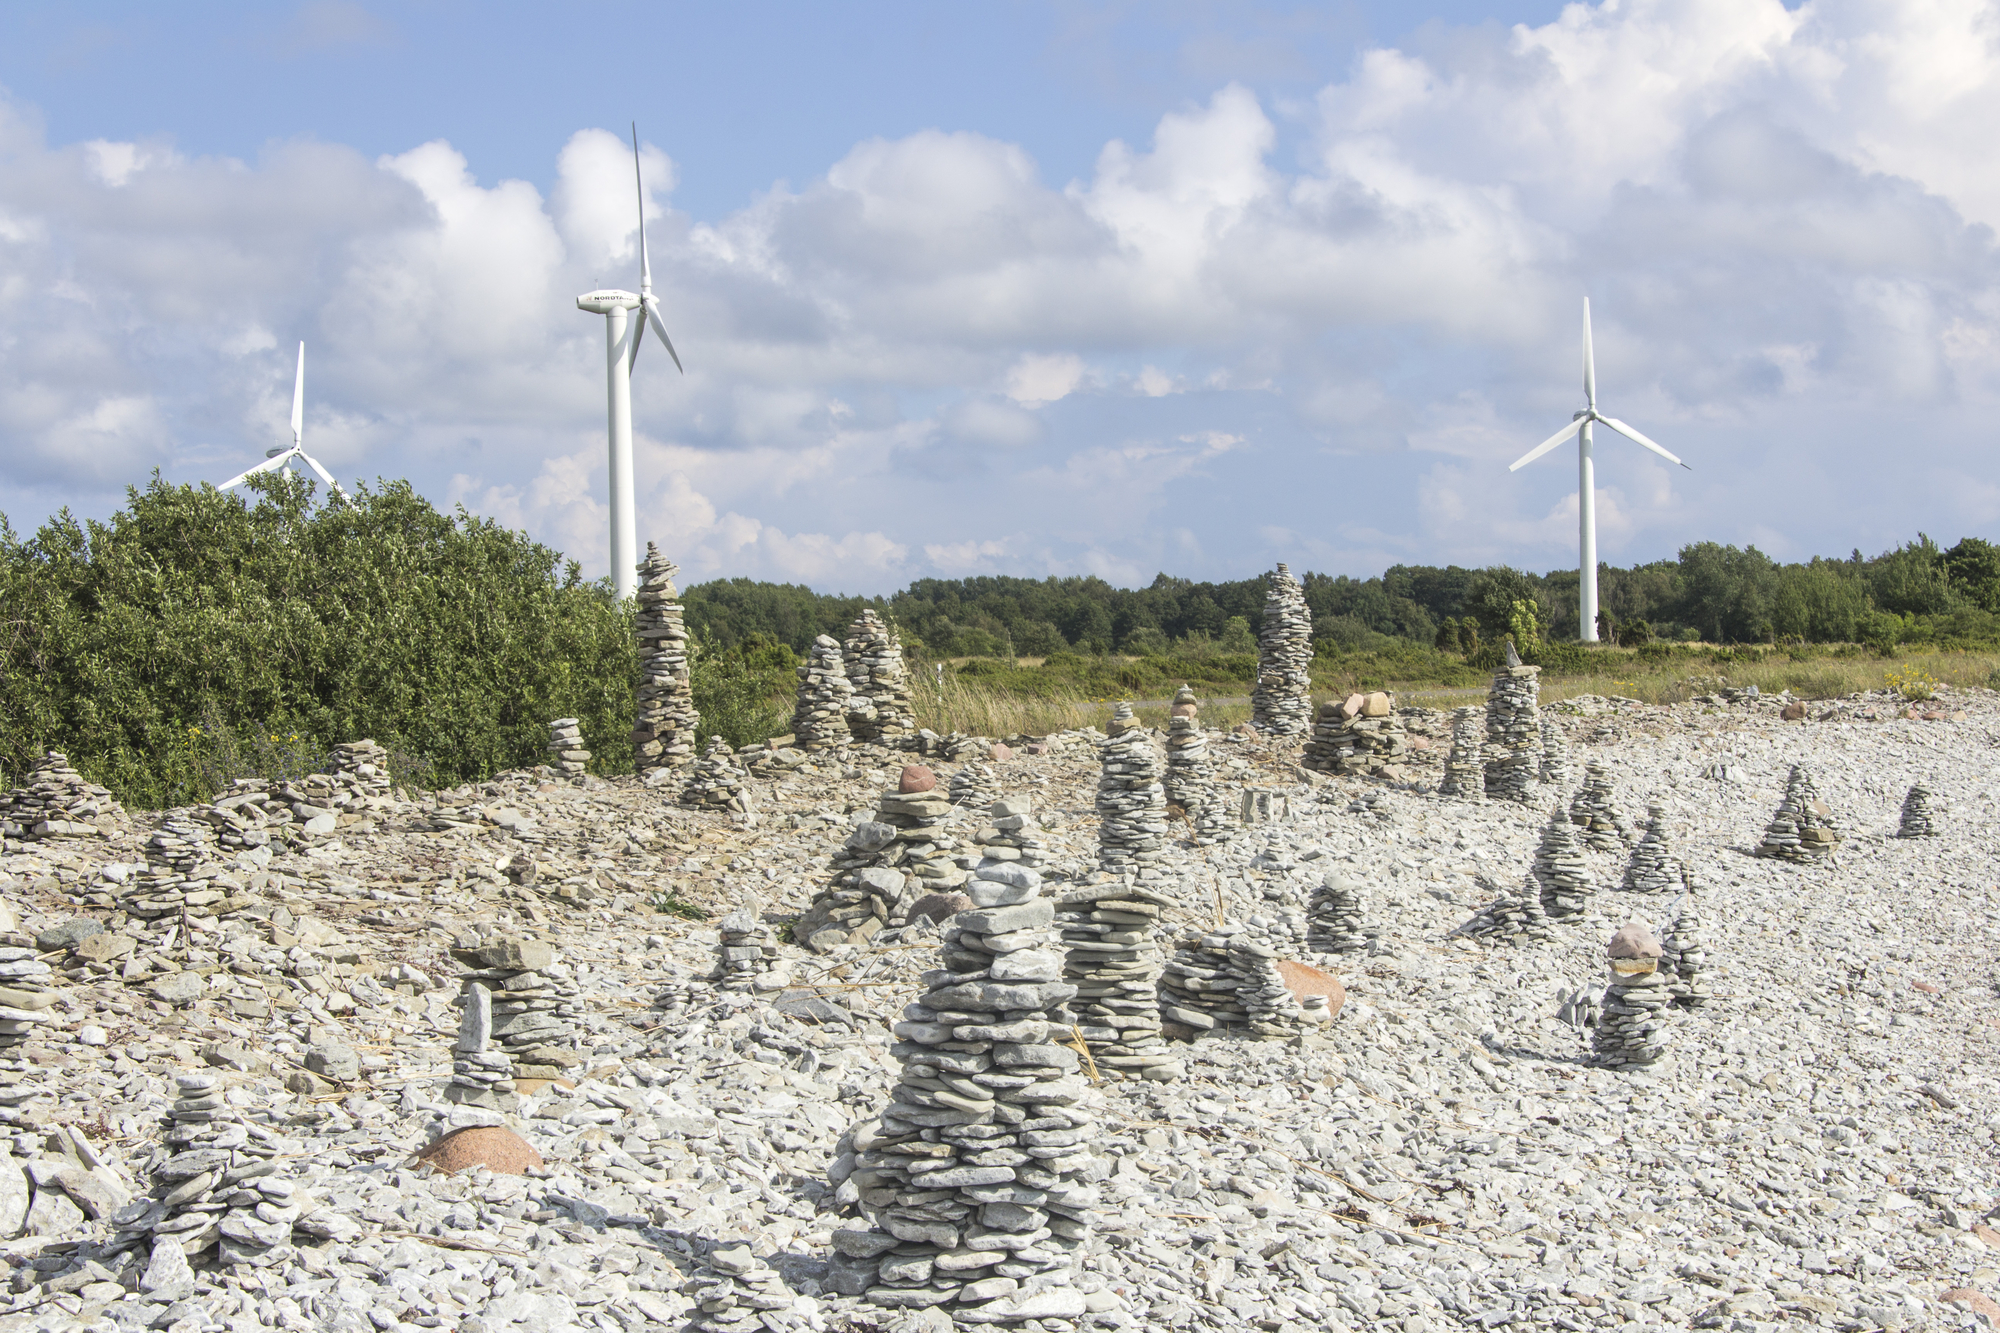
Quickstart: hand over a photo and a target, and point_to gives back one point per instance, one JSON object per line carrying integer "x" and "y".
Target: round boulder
{"x": 916, "y": 778}
{"x": 1304, "y": 982}
{"x": 938, "y": 907}
{"x": 498, "y": 1149}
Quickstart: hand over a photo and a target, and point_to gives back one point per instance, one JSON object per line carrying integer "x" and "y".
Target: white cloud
{"x": 1035, "y": 380}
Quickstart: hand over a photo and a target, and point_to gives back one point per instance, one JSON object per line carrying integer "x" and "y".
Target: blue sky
{"x": 1023, "y": 289}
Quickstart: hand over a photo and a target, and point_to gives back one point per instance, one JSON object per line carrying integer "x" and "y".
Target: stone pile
{"x": 1111, "y": 959}
{"x": 1011, "y": 834}
{"x": 746, "y": 953}
{"x": 973, "y": 1177}
{"x": 952, "y": 747}
{"x": 1605, "y": 829}
{"x": 249, "y": 814}
{"x": 532, "y": 1005}
{"x": 56, "y": 802}
{"x": 1518, "y": 916}
{"x": 1685, "y": 950}
{"x": 1226, "y": 977}
{"x": 1281, "y": 704}
{"x": 1513, "y": 748}
{"x": 891, "y": 861}
{"x": 1561, "y": 873}
{"x": 566, "y": 753}
{"x": 1464, "y": 774}
{"x": 366, "y": 765}
{"x": 1358, "y": 736}
{"x": 1131, "y": 803}
{"x": 665, "y": 719}
{"x": 180, "y": 844}
{"x": 481, "y": 1075}
{"x": 1802, "y": 828}
{"x": 820, "y": 720}
{"x": 1334, "y": 917}
{"x": 215, "y": 1182}
{"x": 974, "y": 787}
{"x": 735, "y": 1291}
{"x": 1631, "y": 1029}
{"x": 717, "y": 782}
{"x": 1554, "y": 771}
{"x": 918, "y": 844}
{"x": 1916, "y": 819}
{"x": 879, "y": 709}
{"x": 26, "y": 995}
{"x": 1652, "y": 868}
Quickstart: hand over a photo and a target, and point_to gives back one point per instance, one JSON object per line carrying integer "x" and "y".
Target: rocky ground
{"x": 1816, "y": 1150}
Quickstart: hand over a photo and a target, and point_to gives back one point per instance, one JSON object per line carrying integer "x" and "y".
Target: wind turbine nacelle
{"x": 273, "y": 453}
{"x": 605, "y": 301}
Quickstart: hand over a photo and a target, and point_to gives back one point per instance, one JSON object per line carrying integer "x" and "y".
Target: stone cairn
{"x": 1226, "y": 977}
{"x": 1361, "y": 736}
{"x": 1281, "y": 704}
{"x": 1652, "y": 868}
{"x": 1107, "y": 930}
{"x": 1916, "y": 820}
{"x": 215, "y": 1183}
{"x": 974, "y": 787}
{"x": 365, "y": 765}
{"x": 820, "y": 720}
{"x": 1555, "y": 758}
{"x": 746, "y": 952}
{"x": 891, "y": 861}
{"x": 975, "y": 1182}
{"x": 1333, "y": 917}
{"x": 530, "y": 1010}
{"x": 1685, "y": 951}
{"x": 566, "y": 753}
{"x": 176, "y": 880}
{"x": 665, "y": 719}
{"x": 179, "y": 844}
{"x": 921, "y": 848}
{"x": 1631, "y": 1031}
{"x": 1011, "y": 834}
{"x": 735, "y": 1290}
{"x": 1513, "y": 734}
{"x": 1518, "y": 916}
{"x": 1131, "y": 803}
{"x": 1190, "y": 778}
{"x": 1592, "y": 810}
{"x": 717, "y": 782}
{"x": 1464, "y": 777}
{"x": 480, "y": 1074}
{"x": 56, "y": 802}
{"x": 879, "y": 709}
{"x": 1802, "y": 827}
{"x": 1560, "y": 870}
{"x": 25, "y": 993}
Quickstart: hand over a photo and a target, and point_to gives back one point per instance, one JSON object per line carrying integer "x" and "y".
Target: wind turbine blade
{"x": 299, "y": 400}
{"x": 660, "y": 330}
{"x": 638, "y": 336}
{"x": 645, "y": 264}
{"x": 324, "y": 475}
{"x": 1547, "y": 444}
{"x": 1637, "y": 438}
{"x": 271, "y": 464}
{"x": 1589, "y": 362}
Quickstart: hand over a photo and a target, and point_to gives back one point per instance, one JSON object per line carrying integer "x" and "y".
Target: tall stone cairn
{"x": 1464, "y": 775}
{"x": 1555, "y": 758}
{"x": 1333, "y": 917}
{"x": 1131, "y": 803}
{"x": 1652, "y": 868}
{"x": 820, "y": 720}
{"x": 1190, "y": 782}
{"x": 1281, "y": 705}
{"x": 1686, "y": 950}
{"x": 1113, "y": 962}
{"x": 1631, "y": 1030}
{"x": 1560, "y": 870}
{"x": 880, "y": 707}
{"x": 1802, "y": 827}
{"x": 664, "y": 726}
{"x": 566, "y": 753}
{"x": 974, "y": 1181}
{"x": 1916, "y": 820}
{"x": 1605, "y": 829}
{"x": 531, "y": 1011}
{"x": 1513, "y": 734}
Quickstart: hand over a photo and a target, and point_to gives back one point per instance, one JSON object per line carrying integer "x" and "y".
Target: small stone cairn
{"x": 1464, "y": 777}
{"x": 1555, "y": 758}
{"x": 1011, "y": 834}
{"x": 56, "y": 802}
{"x": 1560, "y": 870}
{"x": 530, "y": 1007}
{"x": 1358, "y": 736}
{"x": 891, "y": 861}
{"x": 1518, "y": 916}
{"x": 1916, "y": 820}
{"x": 974, "y": 787}
{"x": 974, "y": 1181}
{"x": 1190, "y": 778}
{"x": 1593, "y": 811}
{"x": 365, "y": 766}
{"x": 735, "y": 1291}
{"x": 665, "y": 718}
{"x": 820, "y": 720}
{"x": 566, "y": 753}
{"x": 1107, "y": 930}
{"x": 746, "y": 953}
{"x": 180, "y": 844}
{"x": 879, "y": 709}
{"x": 178, "y": 878}
{"x": 920, "y": 846}
{"x": 1652, "y": 868}
{"x": 1226, "y": 977}
{"x": 1513, "y": 733}
{"x": 717, "y": 782}
{"x": 1333, "y": 917}
{"x": 215, "y": 1183}
{"x": 1131, "y": 803}
{"x": 1631, "y": 1031}
{"x": 1281, "y": 704}
{"x": 25, "y": 993}
{"x": 481, "y": 1075}
{"x": 1802, "y": 827}
{"x": 1685, "y": 950}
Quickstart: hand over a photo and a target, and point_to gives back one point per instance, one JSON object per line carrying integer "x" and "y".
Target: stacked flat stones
{"x": 1333, "y": 917}
{"x": 665, "y": 718}
{"x": 879, "y": 709}
{"x": 215, "y": 1182}
{"x": 1464, "y": 775}
{"x": 976, "y": 1179}
{"x": 1513, "y": 751}
{"x": 1111, "y": 959}
{"x": 1686, "y": 951}
{"x": 1916, "y": 819}
{"x": 1011, "y": 834}
{"x": 365, "y": 764}
{"x": 1631, "y": 1028}
{"x": 1358, "y": 736}
{"x": 736, "y": 1291}
{"x": 1593, "y": 811}
{"x": 176, "y": 880}
{"x": 820, "y": 720}
{"x": 566, "y": 753}
{"x": 1652, "y": 867}
{"x": 531, "y": 1007}
{"x": 1226, "y": 977}
{"x": 1131, "y": 802}
{"x": 245, "y": 816}
{"x": 1800, "y": 830}
{"x": 26, "y": 996}
{"x": 1561, "y": 873}
{"x": 1281, "y": 704}
{"x": 481, "y": 1073}
{"x": 56, "y": 802}
{"x": 179, "y": 844}
{"x": 1518, "y": 917}
{"x": 717, "y": 781}
{"x": 974, "y": 787}
{"x": 1555, "y": 758}
{"x": 1190, "y": 779}
{"x": 746, "y": 952}
{"x": 920, "y": 847}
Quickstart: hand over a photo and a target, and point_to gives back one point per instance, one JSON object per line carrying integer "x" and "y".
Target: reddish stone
{"x": 1794, "y": 712}
{"x": 1965, "y": 1298}
{"x": 1353, "y": 705}
{"x": 1934, "y": 715}
{"x": 1986, "y": 1235}
{"x": 938, "y": 907}
{"x": 1001, "y": 754}
{"x": 916, "y": 778}
{"x": 1186, "y": 710}
{"x": 494, "y": 1147}
{"x": 1420, "y": 742}
{"x": 1304, "y": 981}
{"x": 1634, "y": 941}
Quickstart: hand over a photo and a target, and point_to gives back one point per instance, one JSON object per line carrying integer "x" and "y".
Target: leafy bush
{"x": 744, "y": 693}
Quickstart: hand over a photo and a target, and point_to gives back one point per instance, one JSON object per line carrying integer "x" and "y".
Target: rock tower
{"x": 1281, "y": 705}
{"x": 1513, "y": 733}
{"x": 665, "y": 722}
{"x": 879, "y": 709}
{"x": 820, "y": 721}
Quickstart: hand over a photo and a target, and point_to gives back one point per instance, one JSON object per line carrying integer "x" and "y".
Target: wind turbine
{"x": 620, "y": 354}
{"x": 1586, "y": 486}
{"x": 275, "y": 459}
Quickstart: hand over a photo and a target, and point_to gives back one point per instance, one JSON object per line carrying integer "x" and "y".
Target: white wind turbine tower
{"x": 275, "y": 459}
{"x": 620, "y": 352}
{"x": 1586, "y": 485}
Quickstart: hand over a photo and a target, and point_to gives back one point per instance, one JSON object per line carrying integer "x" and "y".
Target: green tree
{"x": 1973, "y": 568}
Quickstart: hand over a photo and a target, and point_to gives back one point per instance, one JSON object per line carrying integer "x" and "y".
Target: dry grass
{"x": 979, "y": 708}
